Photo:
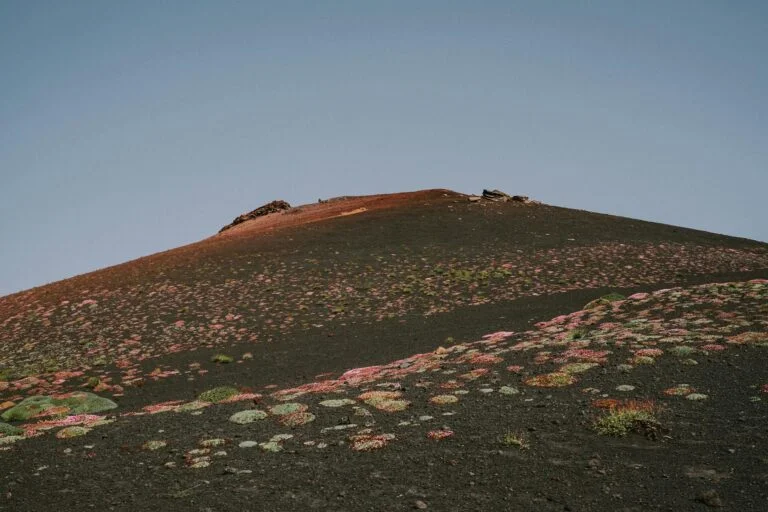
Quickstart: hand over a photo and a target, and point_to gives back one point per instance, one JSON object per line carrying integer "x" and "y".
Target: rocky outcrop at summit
{"x": 498, "y": 196}
{"x": 273, "y": 207}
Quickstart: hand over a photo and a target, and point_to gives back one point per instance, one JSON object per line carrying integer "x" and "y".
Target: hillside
{"x": 415, "y": 350}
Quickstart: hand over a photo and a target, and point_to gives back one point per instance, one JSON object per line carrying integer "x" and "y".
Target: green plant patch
{"x": 515, "y": 439}
{"x": 222, "y": 359}
{"x": 632, "y": 417}
{"x": 217, "y": 394}
{"x": 9, "y": 430}
{"x": 73, "y": 403}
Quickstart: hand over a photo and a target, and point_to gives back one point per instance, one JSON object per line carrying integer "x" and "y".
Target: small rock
{"x": 419, "y": 505}
{"x": 710, "y": 498}
{"x": 625, "y": 387}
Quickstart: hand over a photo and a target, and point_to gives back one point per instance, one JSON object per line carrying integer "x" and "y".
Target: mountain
{"x": 418, "y": 350}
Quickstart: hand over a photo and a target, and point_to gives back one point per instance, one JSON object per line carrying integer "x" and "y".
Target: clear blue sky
{"x": 132, "y": 127}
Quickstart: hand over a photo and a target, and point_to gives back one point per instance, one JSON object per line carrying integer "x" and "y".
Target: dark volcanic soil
{"x": 303, "y": 303}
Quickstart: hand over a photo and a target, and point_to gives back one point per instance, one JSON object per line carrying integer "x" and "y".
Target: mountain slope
{"x": 303, "y": 296}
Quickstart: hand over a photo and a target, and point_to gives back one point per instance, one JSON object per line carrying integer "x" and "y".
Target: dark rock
{"x": 503, "y": 197}
{"x": 273, "y": 207}
{"x": 495, "y": 195}
{"x": 710, "y": 498}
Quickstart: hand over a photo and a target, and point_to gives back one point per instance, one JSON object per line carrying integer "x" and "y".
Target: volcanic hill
{"x": 424, "y": 350}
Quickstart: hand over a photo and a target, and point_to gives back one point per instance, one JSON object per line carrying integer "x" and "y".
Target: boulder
{"x": 503, "y": 197}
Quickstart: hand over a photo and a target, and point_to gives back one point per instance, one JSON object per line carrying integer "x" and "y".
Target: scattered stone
{"x": 625, "y": 387}
{"x": 710, "y": 498}
{"x": 509, "y": 390}
{"x": 418, "y": 504}
{"x": 248, "y": 444}
{"x": 696, "y": 397}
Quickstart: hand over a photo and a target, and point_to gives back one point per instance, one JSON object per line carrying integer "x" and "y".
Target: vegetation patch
{"x": 551, "y": 380}
{"x": 516, "y": 440}
{"x": 154, "y": 445}
{"x": 683, "y": 350}
{"x": 604, "y": 300}
{"x": 444, "y": 399}
{"x": 249, "y": 416}
{"x": 629, "y": 416}
{"x": 337, "y": 402}
{"x": 439, "y": 434}
{"x": 75, "y": 431}
{"x": 7, "y": 440}
{"x": 217, "y": 394}
{"x": 287, "y": 408}
{"x": 9, "y": 430}
{"x": 370, "y": 442}
{"x": 679, "y": 390}
{"x": 572, "y": 368}
{"x": 296, "y": 419}
{"x": 385, "y": 400}
{"x": 222, "y": 359}
{"x": 79, "y": 402}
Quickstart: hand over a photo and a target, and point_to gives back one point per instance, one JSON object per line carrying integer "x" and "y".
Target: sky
{"x": 128, "y": 128}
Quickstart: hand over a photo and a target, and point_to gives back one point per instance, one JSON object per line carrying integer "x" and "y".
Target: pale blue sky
{"x": 132, "y": 127}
